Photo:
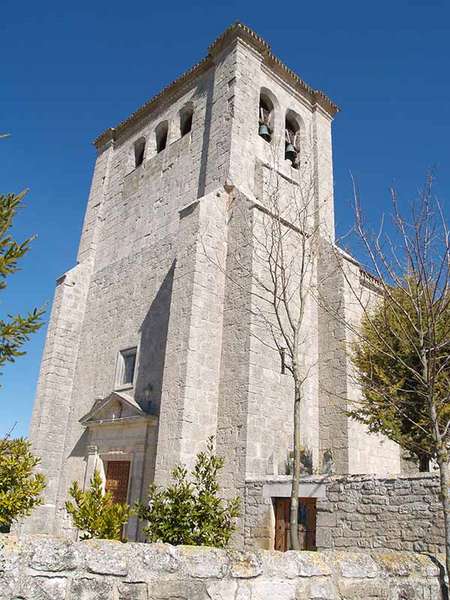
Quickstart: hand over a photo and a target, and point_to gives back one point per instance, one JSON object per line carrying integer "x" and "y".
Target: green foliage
{"x": 20, "y": 488}
{"x": 16, "y": 329}
{"x": 94, "y": 512}
{"x": 389, "y": 359}
{"x": 190, "y": 510}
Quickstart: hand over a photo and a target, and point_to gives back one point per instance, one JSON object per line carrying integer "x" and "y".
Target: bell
{"x": 290, "y": 153}
{"x": 264, "y": 132}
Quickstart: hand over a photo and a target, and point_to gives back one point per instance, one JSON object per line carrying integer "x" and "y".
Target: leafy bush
{"x": 190, "y": 511}
{"x": 20, "y": 487}
{"x": 94, "y": 512}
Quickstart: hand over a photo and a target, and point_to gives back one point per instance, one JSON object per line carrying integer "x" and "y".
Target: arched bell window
{"x": 186, "y": 115}
{"x": 161, "y": 136}
{"x": 292, "y": 140}
{"x": 139, "y": 151}
{"x": 265, "y": 123}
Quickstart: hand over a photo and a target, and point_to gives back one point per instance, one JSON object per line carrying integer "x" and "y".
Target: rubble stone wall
{"x": 363, "y": 512}
{"x": 356, "y": 512}
{"x": 44, "y": 568}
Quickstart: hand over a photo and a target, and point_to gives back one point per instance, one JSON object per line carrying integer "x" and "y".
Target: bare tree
{"x": 281, "y": 230}
{"x": 401, "y": 345}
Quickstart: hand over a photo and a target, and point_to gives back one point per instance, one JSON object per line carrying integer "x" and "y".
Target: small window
{"x": 186, "y": 115}
{"x": 265, "y": 118}
{"x": 161, "y": 136}
{"x": 125, "y": 367}
{"x": 139, "y": 151}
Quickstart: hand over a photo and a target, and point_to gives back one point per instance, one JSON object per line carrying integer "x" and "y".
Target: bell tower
{"x": 152, "y": 345}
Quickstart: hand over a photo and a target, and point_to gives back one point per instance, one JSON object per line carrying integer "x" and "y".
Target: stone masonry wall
{"x": 356, "y": 512}
{"x": 43, "y": 568}
{"x": 362, "y": 512}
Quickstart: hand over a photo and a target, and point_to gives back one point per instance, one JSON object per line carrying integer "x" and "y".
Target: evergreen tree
{"x": 15, "y": 330}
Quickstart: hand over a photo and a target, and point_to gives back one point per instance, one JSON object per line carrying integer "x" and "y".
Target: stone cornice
{"x": 237, "y": 31}
{"x": 123, "y": 420}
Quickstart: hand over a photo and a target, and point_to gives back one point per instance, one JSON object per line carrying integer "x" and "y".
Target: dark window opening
{"x": 292, "y": 143}
{"x": 161, "y": 136}
{"x": 139, "y": 151}
{"x": 186, "y": 120}
{"x": 265, "y": 118}
{"x": 127, "y": 364}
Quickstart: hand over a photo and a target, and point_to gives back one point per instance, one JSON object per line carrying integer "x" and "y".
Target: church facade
{"x": 150, "y": 350}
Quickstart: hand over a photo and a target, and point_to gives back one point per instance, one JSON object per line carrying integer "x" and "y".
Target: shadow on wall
{"x": 206, "y": 134}
{"x": 81, "y": 445}
{"x": 152, "y": 350}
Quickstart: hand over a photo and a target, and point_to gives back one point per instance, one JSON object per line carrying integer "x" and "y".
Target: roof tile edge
{"x": 237, "y": 30}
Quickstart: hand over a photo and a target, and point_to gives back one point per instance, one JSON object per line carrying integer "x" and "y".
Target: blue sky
{"x": 69, "y": 70}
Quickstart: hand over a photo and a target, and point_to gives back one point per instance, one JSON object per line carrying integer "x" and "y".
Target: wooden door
{"x": 306, "y": 523}
{"x": 117, "y": 476}
{"x": 282, "y": 506}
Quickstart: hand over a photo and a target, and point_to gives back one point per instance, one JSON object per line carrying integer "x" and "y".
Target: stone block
{"x": 244, "y": 565}
{"x": 106, "y": 558}
{"x": 53, "y": 555}
{"x": 326, "y": 519}
{"x": 268, "y": 590}
{"x": 151, "y": 560}
{"x": 363, "y": 590}
{"x": 181, "y": 589}
{"x": 353, "y": 565}
{"x": 54, "y": 587}
{"x": 222, "y": 590}
{"x": 203, "y": 563}
{"x": 132, "y": 591}
{"x": 87, "y": 588}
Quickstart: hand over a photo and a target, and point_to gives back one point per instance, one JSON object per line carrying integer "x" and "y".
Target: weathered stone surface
{"x": 181, "y": 589}
{"x": 51, "y": 555}
{"x": 356, "y": 565}
{"x": 162, "y": 572}
{"x": 132, "y": 591}
{"x": 398, "y": 513}
{"x": 88, "y": 588}
{"x": 221, "y": 590}
{"x": 245, "y": 564}
{"x": 193, "y": 561}
{"x": 112, "y": 562}
{"x": 54, "y": 587}
{"x": 322, "y": 589}
{"x": 160, "y": 559}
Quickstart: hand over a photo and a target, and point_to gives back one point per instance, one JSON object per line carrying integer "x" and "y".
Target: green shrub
{"x": 94, "y": 512}
{"x": 190, "y": 510}
{"x": 20, "y": 487}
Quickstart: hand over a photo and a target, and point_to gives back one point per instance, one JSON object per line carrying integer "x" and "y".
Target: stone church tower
{"x": 149, "y": 349}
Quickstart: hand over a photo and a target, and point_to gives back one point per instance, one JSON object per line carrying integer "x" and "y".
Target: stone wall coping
{"x": 287, "y": 479}
{"x": 389, "y": 477}
{"x": 283, "y": 489}
{"x": 341, "y": 478}
{"x": 47, "y": 554}
{"x": 47, "y": 568}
